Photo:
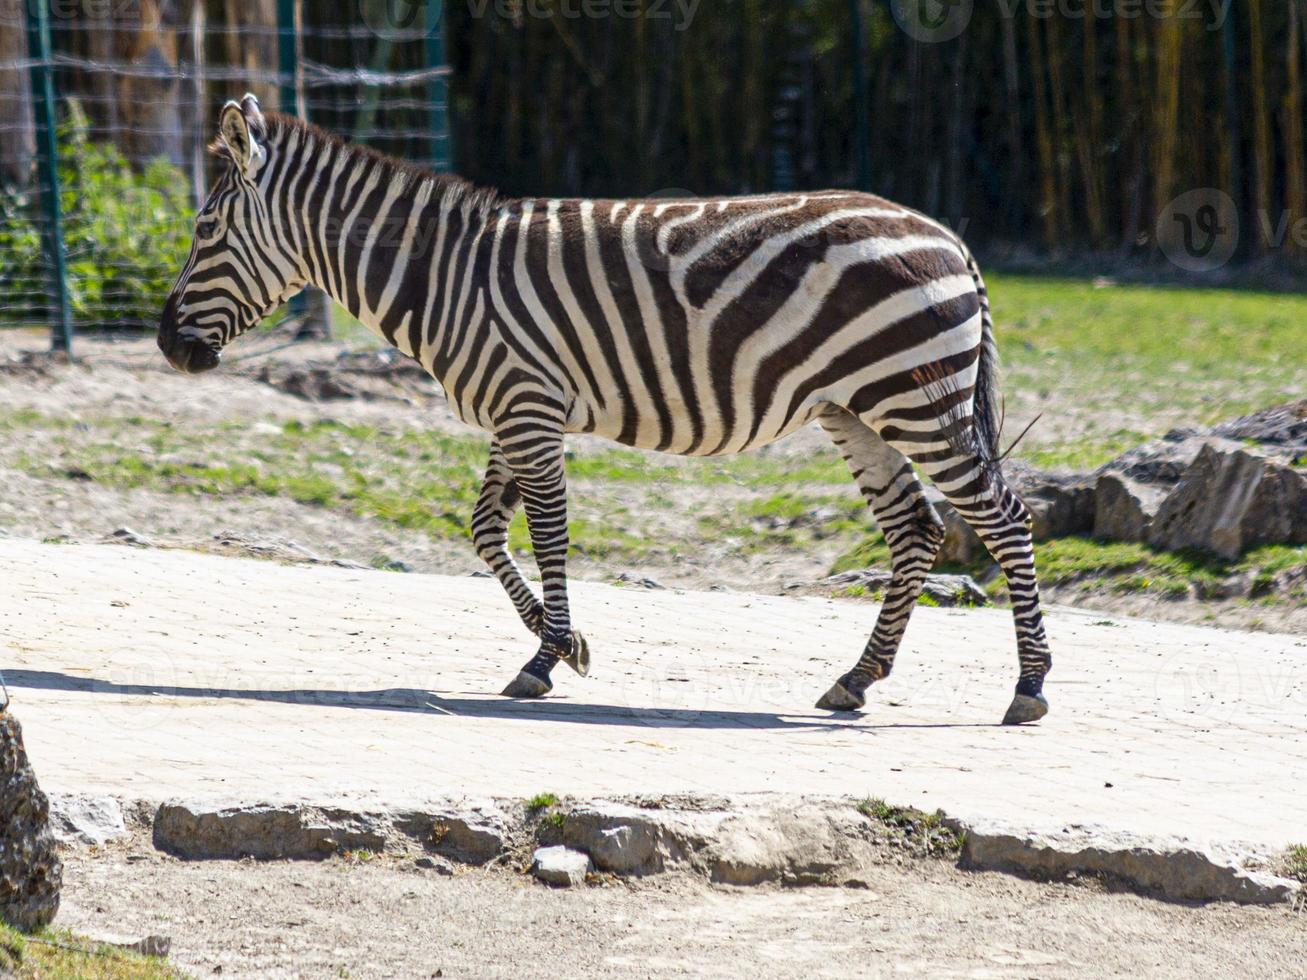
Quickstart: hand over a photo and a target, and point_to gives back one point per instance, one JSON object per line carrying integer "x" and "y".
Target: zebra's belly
{"x": 679, "y": 431}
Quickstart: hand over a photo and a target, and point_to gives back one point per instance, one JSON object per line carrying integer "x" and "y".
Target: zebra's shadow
{"x": 472, "y": 704}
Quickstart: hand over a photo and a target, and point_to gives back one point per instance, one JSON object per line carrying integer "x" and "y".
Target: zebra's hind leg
{"x": 913, "y": 532}
{"x": 535, "y": 457}
{"x": 977, "y": 491}
{"x": 496, "y": 505}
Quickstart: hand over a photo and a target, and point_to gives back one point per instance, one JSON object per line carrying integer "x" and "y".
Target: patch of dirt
{"x": 385, "y": 916}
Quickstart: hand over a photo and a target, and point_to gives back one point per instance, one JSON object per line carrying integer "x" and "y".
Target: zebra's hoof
{"x": 579, "y": 658}
{"x": 840, "y": 698}
{"x": 526, "y": 685}
{"x": 1025, "y": 708}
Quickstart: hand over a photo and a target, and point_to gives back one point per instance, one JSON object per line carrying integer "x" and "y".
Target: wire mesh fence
{"x": 134, "y": 89}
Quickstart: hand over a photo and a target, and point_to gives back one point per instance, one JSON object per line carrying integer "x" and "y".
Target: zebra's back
{"x": 708, "y": 326}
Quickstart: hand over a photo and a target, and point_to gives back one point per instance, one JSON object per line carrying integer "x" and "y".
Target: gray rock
{"x": 31, "y": 873}
{"x": 437, "y": 864}
{"x": 640, "y": 581}
{"x": 946, "y": 590}
{"x": 127, "y": 536}
{"x": 1124, "y": 509}
{"x": 1163, "y": 462}
{"x": 1173, "y": 869}
{"x": 80, "y": 819}
{"x": 473, "y": 833}
{"x": 1060, "y": 506}
{"x": 151, "y": 945}
{"x": 1230, "y": 501}
{"x": 1280, "y": 431}
{"x": 632, "y": 840}
{"x": 561, "y": 866}
{"x": 265, "y": 831}
{"x": 794, "y": 844}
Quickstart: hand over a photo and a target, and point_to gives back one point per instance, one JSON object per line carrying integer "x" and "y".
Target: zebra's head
{"x": 236, "y": 273}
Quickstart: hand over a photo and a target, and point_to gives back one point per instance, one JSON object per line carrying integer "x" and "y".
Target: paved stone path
{"x": 156, "y": 674}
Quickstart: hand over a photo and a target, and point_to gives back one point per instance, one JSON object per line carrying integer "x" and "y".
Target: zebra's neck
{"x": 391, "y": 243}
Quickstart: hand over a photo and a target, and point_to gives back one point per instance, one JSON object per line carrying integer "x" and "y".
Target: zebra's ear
{"x": 253, "y": 115}
{"x": 237, "y": 139}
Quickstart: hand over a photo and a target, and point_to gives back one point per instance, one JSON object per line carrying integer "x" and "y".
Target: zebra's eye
{"x": 206, "y": 225}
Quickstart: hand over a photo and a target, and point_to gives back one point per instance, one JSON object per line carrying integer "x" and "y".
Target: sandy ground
{"x": 149, "y": 674}
{"x": 385, "y": 917}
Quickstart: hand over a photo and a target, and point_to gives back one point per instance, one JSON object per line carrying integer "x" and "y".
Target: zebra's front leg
{"x": 494, "y": 511}
{"x": 542, "y": 483}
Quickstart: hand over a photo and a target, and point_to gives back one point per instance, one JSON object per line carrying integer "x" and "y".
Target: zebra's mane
{"x": 451, "y": 188}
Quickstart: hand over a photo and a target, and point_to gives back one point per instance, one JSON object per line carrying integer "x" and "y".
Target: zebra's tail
{"x": 985, "y": 412}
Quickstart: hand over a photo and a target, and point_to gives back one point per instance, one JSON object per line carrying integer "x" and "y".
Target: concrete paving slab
{"x": 149, "y": 674}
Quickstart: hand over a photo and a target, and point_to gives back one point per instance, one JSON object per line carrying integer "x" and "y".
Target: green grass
{"x": 542, "y": 801}
{"x": 870, "y": 552}
{"x": 1199, "y": 355}
{"x": 428, "y": 481}
{"x": 1118, "y": 566}
{"x": 1132, "y": 567}
{"x": 927, "y": 830}
{"x": 1295, "y": 862}
{"x": 60, "y": 955}
{"x": 1159, "y": 325}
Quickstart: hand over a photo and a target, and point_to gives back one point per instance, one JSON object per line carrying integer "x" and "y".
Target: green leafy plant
{"x": 127, "y": 232}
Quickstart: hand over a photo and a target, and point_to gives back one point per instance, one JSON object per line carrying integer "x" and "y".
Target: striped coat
{"x": 690, "y": 326}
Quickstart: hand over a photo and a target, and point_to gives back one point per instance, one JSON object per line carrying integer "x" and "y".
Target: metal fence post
{"x": 310, "y": 305}
{"x": 442, "y": 143}
{"x": 52, "y": 234}
{"x": 861, "y": 137}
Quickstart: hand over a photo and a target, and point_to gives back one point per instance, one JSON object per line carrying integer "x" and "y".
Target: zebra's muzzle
{"x": 184, "y": 353}
{"x": 192, "y": 357}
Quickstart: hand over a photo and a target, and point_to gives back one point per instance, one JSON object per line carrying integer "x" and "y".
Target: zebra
{"x": 694, "y": 326}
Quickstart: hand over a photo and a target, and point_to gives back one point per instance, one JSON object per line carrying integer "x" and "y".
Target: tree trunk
{"x": 17, "y": 137}
{"x": 149, "y": 107}
{"x": 1293, "y": 131}
{"x": 1043, "y": 138}
{"x": 1015, "y": 191}
{"x": 1262, "y": 175}
{"x": 1061, "y": 131}
{"x": 1089, "y": 137}
{"x": 1166, "y": 106}
{"x": 254, "y": 48}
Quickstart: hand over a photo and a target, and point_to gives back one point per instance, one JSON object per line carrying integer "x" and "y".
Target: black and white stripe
{"x": 692, "y": 326}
